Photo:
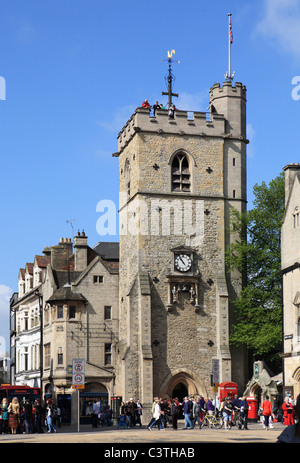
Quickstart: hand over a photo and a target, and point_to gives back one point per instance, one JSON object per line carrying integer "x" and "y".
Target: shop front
{"x": 86, "y": 404}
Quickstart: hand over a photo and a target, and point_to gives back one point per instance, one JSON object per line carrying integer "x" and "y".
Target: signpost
{"x": 78, "y": 379}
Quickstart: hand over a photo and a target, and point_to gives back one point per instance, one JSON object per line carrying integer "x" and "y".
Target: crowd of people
{"x": 157, "y": 106}
{"x": 28, "y": 417}
{"x": 165, "y": 412}
{"x": 193, "y": 411}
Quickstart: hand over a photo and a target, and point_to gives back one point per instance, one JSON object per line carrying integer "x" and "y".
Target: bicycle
{"x": 213, "y": 421}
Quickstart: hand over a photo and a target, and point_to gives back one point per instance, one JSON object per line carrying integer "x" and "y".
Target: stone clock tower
{"x": 179, "y": 178}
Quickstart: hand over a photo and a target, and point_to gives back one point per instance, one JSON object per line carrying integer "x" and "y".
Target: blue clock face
{"x": 183, "y": 263}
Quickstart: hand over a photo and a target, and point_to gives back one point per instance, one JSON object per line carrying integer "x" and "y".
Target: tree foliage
{"x": 257, "y": 250}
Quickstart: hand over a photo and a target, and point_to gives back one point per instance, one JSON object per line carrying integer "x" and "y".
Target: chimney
{"x": 61, "y": 254}
{"x": 80, "y": 251}
{"x": 290, "y": 171}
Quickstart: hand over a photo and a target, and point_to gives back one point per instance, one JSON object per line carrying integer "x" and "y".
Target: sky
{"x": 71, "y": 74}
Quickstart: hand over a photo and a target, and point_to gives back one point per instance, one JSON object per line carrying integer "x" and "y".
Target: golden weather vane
{"x": 170, "y": 78}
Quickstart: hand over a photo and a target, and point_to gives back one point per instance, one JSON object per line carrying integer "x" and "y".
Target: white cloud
{"x": 5, "y": 295}
{"x": 281, "y": 23}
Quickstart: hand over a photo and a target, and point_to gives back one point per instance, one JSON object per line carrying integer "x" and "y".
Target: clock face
{"x": 183, "y": 263}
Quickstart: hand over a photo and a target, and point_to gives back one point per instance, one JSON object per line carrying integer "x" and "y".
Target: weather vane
{"x": 170, "y": 78}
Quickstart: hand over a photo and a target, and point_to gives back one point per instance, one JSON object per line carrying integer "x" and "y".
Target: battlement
{"x": 184, "y": 123}
{"x": 238, "y": 90}
{"x": 227, "y": 118}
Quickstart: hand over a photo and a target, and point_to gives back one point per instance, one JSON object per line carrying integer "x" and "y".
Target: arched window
{"x": 298, "y": 330}
{"x": 181, "y": 177}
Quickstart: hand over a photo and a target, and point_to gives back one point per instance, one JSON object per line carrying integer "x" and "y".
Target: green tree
{"x": 257, "y": 252}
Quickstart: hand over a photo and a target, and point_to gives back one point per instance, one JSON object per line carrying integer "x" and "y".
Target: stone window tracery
{"x": 181, "y": 176}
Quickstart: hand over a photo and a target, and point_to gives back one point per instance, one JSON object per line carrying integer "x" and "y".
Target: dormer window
{"x": 181, "y": 177}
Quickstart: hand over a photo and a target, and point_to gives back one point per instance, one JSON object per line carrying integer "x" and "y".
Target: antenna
{"x": 70, "y": 221}
{"x": 170, "y": 78}
{"x": 228, "y": 75}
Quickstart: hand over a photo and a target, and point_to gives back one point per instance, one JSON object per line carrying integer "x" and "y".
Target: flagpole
{"x": 229, "y": 48}
{"x": 228, "y": 75}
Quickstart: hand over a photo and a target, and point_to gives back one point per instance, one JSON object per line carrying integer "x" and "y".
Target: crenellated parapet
{"x": 184, "y": 123}
{"x": 226, "y": 118}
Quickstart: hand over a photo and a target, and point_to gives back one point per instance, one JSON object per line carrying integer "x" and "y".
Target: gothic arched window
{"x": 181, "y": 176}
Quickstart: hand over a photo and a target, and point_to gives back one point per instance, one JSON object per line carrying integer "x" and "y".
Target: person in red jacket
{"x": 266, "y": 411}
{"x": 146, "y": 104}
{"x": 288, "y": 412}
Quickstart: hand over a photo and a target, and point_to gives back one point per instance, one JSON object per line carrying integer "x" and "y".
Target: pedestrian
{"x": 227, "y": 413}
{"x": 174, "y": 414}
{"x": 96, "y": 411}
{"x": 38, "y": 416}
{"x": 164, "y": 415}
{"x": 14, "y": 415}
{"x": 209, "y": 406}
{"x": 266, "y": 408}
{"x": 288, "y": 411}
{"x": 187, "y": 407}
{"x": 28, "y": 416}
{"x": 4, "y": 416}
{"x": 152, "y": 411}
{"x": 51, "y": 414}
{"x": 128, "y": 415}
{"x": 156, "y": 415}
{"x": 291, "y": 433}
{"x": 196, "y": 412}
{"x": 131, "y": 407}
{"x": 202, "y": 412}
{"x": 138, "y": 411}
{"x": 244, "y": 408}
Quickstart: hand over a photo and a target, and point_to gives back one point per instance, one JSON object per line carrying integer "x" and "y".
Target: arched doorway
{"x": 180, "y": 391}
{"x": 181, "y": 384}
{"x": 256, "y": 391}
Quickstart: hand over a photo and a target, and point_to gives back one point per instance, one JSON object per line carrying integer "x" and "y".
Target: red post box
{"x": 252, "y": 412}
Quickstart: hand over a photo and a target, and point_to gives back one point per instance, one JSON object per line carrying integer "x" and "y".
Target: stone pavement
{"x": 112, "y": 435}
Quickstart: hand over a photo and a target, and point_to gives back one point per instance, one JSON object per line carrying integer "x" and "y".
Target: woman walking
{"x": 14, "y": 415}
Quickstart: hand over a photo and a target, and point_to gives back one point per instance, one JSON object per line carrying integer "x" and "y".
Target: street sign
{"x": 78, "y": 373}
{"x": 216, "y": 371}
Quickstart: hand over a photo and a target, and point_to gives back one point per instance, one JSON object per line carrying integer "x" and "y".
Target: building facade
{"x": 290, "y": 268}
{"x": 179, "y": 178}
{"x": 69, "y": 311}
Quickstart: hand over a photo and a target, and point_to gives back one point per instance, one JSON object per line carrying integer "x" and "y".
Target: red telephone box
{"x": 252, "y": 412}
{"x": 228, "y": 389}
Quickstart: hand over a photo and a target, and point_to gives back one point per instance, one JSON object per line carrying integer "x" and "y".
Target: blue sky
{"x": 75, "y": 71}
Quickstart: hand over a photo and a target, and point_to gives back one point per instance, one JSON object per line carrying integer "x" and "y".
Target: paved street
{"x": 111, "y": 435}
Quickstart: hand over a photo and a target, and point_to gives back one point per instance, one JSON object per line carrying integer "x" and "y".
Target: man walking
{"x": 187, "y": 410}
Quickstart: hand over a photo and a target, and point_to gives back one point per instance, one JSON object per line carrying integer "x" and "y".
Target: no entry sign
{"x": 78, "y": 373}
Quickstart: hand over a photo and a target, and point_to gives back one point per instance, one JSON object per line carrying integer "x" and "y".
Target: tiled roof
{"x": 66, "y": 294}
{"x": 29, "y": 268}
{"x": 107, "y": 250}
{"x": 42, "y": 261}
